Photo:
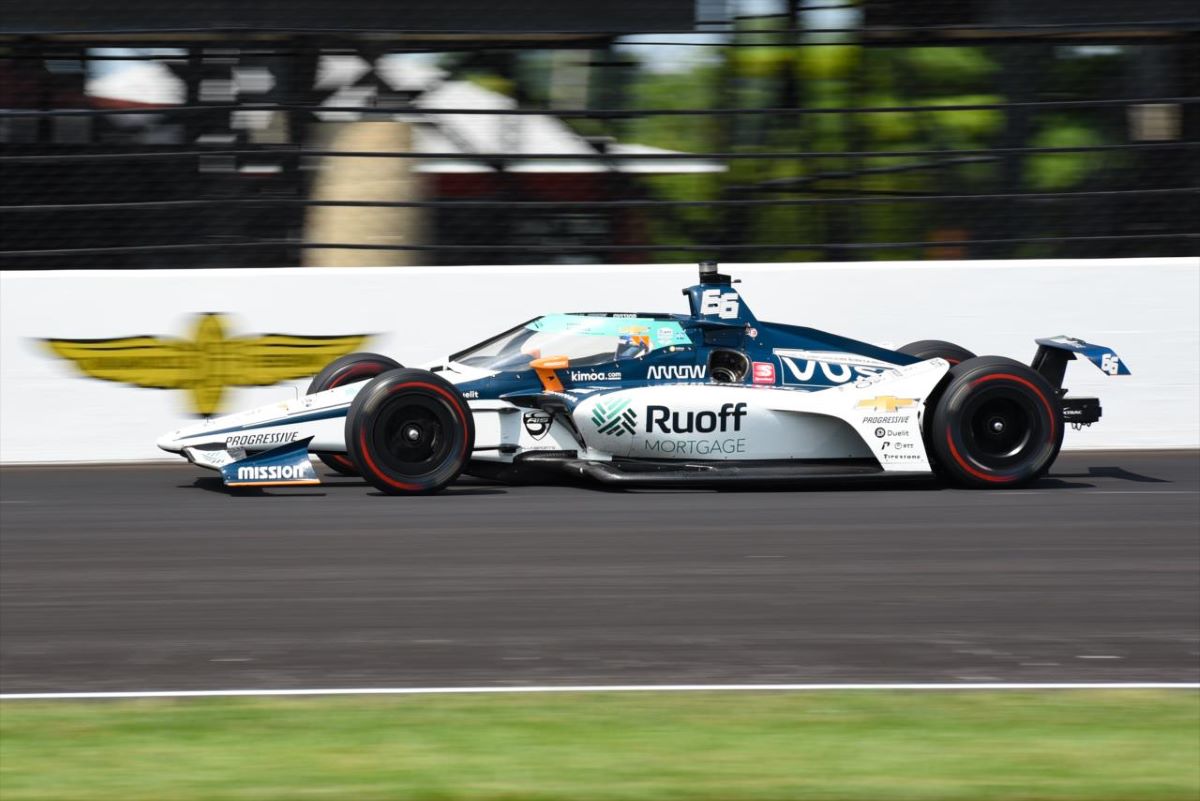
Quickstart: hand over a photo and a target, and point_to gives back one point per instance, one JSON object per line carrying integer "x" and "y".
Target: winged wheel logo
{"x": 207, "y": 362}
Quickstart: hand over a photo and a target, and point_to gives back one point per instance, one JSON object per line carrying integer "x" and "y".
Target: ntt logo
{"x": 273, "y": 472}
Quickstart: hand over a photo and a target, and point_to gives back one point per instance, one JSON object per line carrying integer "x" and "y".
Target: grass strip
{"x": 883, "y": 746}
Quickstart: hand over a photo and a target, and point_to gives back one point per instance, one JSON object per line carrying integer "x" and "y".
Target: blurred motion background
{"x": 150, "y": 134}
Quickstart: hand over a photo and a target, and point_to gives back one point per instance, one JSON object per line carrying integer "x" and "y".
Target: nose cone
{"x": 170, "y": 442}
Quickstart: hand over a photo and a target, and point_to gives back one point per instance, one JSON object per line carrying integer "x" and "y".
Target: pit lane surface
{"x": 154, "y": 577}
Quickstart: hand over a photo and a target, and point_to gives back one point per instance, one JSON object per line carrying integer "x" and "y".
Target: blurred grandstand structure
{"x": 362, "y": 133}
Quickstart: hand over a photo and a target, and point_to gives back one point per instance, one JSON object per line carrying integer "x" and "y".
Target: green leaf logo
{"x": 615, "y": 418}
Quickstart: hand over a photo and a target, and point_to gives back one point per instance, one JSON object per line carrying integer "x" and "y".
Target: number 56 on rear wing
{"x": 1051, "y": 359}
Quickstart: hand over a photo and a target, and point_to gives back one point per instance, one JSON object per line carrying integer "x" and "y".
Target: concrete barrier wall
{"x": 201, "y": 332}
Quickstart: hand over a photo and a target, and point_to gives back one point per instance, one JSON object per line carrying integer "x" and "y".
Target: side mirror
{"x": 550, "y": 363}
{"x": 545, "y": 367}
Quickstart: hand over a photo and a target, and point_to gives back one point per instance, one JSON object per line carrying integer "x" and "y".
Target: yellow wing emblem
{"x": 208, "y": 362}
{"x": 141, "y": 361}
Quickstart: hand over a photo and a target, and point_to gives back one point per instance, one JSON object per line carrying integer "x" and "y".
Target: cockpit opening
{"x": 728, "y": 366}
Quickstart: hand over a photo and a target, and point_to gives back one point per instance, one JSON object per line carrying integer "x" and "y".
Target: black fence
{"x": 827, "y": 131}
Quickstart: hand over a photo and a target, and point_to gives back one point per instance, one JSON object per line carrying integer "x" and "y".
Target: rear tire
{"x": 347, "y": 370}
{"x": 998, "y": 423}
{"x": 410, "y": 432}
{"x": 937, "y": 349}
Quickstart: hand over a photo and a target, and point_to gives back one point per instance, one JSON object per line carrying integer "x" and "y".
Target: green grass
{"x": 583, "y": 747}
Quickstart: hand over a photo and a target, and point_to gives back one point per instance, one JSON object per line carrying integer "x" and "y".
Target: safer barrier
{"x": 95, "y": 365}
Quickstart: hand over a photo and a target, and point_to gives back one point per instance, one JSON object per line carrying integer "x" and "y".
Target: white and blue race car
{"x": 711, "y": 397}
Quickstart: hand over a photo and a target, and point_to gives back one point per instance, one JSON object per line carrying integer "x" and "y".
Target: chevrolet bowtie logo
{"x": 886, "y": 403}
{"x": 207, "y": 363}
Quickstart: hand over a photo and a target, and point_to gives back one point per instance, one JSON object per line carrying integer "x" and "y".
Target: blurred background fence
{"x": 530, "y": 131}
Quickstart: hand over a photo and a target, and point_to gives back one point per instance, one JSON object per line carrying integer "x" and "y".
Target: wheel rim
{"x": 999, "y": 425}
{"x": 414, "y": 435}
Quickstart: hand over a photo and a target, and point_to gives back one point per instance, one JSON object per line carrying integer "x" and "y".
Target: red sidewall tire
{"x": 935, "y": 349}
{"x": 998, "y": 423}
{"x": 347, "y": 370}
{"x": 403, "y": 402}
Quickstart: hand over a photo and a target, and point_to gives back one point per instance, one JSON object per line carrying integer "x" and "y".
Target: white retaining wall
{"x": 1147, "y": 310}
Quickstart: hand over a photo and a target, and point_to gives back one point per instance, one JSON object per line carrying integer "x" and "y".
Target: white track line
{"x": 610, "y": 688}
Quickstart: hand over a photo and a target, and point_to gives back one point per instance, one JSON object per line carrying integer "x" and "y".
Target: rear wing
{"x": 1053, "y": 353}
{"x": 1051, "y": 360}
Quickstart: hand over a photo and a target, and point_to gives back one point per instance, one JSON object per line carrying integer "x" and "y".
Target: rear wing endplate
{"x": 1053, "y": 353}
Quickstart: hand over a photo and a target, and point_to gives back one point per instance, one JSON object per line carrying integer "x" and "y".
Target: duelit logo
{"x": 615, "y": 418}
{"x": 207, "y": 362}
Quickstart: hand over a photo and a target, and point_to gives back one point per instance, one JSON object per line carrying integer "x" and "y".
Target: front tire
{"x": 347, "y": 370}
{"x": 998, "y": 423}
{"x": 410, "y": 432}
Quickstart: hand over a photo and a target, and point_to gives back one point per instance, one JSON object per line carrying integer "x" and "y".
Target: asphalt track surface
{"x": 156, "y": 578}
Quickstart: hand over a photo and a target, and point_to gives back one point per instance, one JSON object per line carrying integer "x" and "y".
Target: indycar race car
{"x": 708, "y": 398}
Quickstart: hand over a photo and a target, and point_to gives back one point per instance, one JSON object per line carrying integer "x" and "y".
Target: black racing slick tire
{"x": 997, "y": 423}
{"x": 937, "y": 349}
{"x": 347, "y": 370}
{"x": 410, "y": 432}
